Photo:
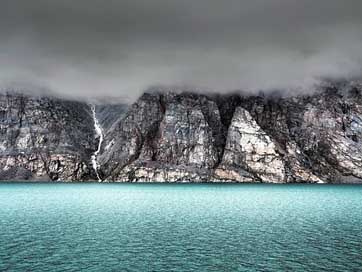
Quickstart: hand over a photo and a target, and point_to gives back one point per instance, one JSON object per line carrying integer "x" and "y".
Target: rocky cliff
{"x": 44, "y": 138}
{"x": 177, "y": 136}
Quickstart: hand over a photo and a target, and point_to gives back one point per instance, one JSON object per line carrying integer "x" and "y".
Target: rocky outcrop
{"x": 109, "y": 114}
{"x": 175, "y": 136}
{"x": 248, "y": 147}
{"x": 43, "y": 138}
{"x": 231, "y": 138}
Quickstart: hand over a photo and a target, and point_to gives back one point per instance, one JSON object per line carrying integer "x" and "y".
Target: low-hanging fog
{"x": 118, "y": 48}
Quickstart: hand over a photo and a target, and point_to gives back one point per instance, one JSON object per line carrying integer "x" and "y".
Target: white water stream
{"x": 99, "y": 133}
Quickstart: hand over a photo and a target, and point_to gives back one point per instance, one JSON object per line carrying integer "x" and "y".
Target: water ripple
{"x": 121, "y": 227}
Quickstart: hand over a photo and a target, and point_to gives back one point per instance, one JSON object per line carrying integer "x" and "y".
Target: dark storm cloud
{"x": 120, "y": 47}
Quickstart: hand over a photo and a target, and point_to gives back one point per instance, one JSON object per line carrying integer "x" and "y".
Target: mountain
{"x": 180, "y": 136}
{"x": 44, "y": 138}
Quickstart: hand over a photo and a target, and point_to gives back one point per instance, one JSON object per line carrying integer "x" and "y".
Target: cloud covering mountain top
{"x": 90, "y": 48}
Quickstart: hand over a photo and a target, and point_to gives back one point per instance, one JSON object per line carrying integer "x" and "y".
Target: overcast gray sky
{"x": 120, "y": 47}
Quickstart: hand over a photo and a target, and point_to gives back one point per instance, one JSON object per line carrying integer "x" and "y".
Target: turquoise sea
{"x": 183, "y": 227}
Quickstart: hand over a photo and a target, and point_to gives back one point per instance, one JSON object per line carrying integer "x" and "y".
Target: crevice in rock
{"x": 226, "y": 106}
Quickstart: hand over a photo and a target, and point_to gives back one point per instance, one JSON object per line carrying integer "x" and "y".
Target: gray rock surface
{"x": 43, "y": 138}
{"x": 204, "y": 138}
{"x": 173, "y": 136}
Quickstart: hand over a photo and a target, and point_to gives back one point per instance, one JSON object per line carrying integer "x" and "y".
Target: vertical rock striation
{"x": 43, "y": 138}
{"x": 175, "y": 136}
{"x": 250, "y": 148}
{"x": 203, "y": 138}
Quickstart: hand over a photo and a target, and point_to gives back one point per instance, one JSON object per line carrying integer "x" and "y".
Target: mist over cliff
{"x": 93, "y": 48}
{"x": 175, "y": 135}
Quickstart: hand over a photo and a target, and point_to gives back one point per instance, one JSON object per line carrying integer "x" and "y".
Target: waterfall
{"x": 99, "y": 133}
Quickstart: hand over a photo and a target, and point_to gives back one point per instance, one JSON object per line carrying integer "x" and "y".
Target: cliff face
{"x": 178, "y": 137}
{"x": 45, "y": 139}
{"x": 189, "y": 137}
